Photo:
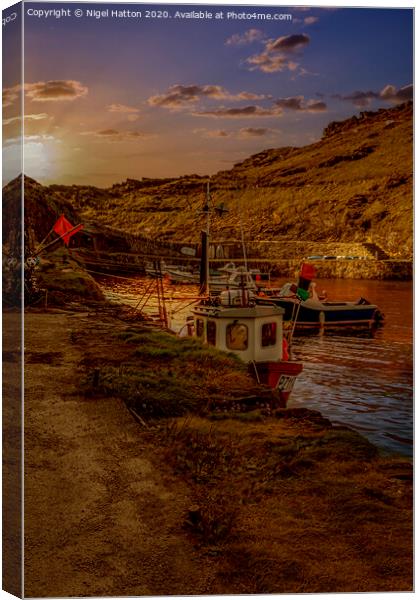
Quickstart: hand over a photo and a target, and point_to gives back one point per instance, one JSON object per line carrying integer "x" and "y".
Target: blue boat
{"x": 320, "y": 314}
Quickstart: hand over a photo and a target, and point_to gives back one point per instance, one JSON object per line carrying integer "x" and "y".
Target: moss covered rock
{"x": 65, "y": 279}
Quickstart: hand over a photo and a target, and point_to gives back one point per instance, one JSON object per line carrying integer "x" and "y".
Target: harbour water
{"x": 365, "y": 383}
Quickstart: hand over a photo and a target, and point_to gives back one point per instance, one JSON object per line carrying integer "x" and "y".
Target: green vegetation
{"x": 167, "y": 376}
{"x": 64, "y": 278}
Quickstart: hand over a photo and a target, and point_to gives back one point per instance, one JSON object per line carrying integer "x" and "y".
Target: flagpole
{"x": 58, "y": 239}
{"x": 45, "y": 238}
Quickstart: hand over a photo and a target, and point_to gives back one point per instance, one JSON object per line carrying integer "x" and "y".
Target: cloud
{"x": 107, "y": 132}
{"x": 213, "y": 133}
{"x": 30, "y": 139}
{"x": 358, "y": 98}
{"x": 293, "y": 103}
{"x": 12, "y": 141}
{"x": 131, "y": 112}
{"x": 40, "y": 138}
{"x": 122, "y": 108}
{"x": 10, "y": 95}
{"x": 181, "y": 96}
{"x": 248, "y": 37}
{"x": 288, "y": 43}
{"x": 43, "y": 91}
{"x": 298, "y": 103}
{"x": 115, "y": 135}
{"x": 240, "y": 113}
{"x": 315, "y": 106}
{"x": 249, "y": 132}
{"x": 301, "y": 72}
{"x": 390, "y": 93}
{"x": 35, "y": 117}
{"x": 244, "y": 133}
{"x": 267, "y": 63}
{"x": 306, "y": 21}
{"x": 55, "y": 90}
{"x": 276, "y": 56}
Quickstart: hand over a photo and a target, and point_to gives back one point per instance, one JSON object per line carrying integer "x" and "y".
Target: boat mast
{"x": 243, "y": 242}
{"x": 204, "y": 269}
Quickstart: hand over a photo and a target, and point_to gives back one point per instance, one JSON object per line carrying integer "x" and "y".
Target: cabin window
{"x": 268, "y": 334}
{"x": 211, "y": 333}
{"x": 199, "y": 327}
{"x": 237, "y": 336}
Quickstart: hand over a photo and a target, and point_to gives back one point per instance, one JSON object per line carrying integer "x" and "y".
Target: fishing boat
{"x": 160, "y": 268}
{"x": 184, "y": 275}
{"x": 256, "y": 274}
{"x": 227, "y": 276}
{"x": 320, "y": 313}
{"x": 181, "y": 275}
{"x": 233, "y": 322}
{"x": 240, "y": 278}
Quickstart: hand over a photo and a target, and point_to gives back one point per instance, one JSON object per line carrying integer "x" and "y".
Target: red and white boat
{"x": 234, "y": 323}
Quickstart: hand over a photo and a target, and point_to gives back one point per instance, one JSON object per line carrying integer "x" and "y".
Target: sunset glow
{"x": 108, "y": 98}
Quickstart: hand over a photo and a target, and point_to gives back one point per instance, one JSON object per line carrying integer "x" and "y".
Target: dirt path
{"x": 99, "y": 518}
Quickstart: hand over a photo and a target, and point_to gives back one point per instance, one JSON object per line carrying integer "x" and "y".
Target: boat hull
{"x": 279, "y": 375}
{"x": 329, "y": 315}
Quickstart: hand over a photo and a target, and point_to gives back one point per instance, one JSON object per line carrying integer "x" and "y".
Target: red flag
{"x": 307, "y": 271}
{"x": 65, "y": 229}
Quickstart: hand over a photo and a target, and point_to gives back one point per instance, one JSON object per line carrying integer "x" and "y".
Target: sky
{"x": 153, "y": 93}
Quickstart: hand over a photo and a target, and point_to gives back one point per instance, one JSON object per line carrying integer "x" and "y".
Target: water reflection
{"x": 362, "y": 382}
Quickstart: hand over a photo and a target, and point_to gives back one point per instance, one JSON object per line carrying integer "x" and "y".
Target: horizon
{"x": 109, "y": 99}
{"x": 125, "y": 179}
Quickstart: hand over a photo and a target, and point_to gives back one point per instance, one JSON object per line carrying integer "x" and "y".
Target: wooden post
{"x": 321, "y": 322}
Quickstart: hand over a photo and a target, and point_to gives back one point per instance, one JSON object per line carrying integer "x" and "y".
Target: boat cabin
{"x": 254, "y": 333}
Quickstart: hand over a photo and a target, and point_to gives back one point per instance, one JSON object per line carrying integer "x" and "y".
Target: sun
{"x": 40, "y": 157}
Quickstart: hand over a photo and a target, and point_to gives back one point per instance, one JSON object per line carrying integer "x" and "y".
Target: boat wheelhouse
{"x": 254, "y": 333}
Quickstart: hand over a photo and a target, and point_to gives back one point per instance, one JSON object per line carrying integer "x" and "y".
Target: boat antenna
{"x": 243, "y": 241}
{"x": 204, "y": 274}
{"x": 207, "y": 208}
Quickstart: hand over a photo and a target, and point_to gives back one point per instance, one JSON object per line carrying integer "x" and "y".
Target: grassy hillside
{"x": 353, "y": 185}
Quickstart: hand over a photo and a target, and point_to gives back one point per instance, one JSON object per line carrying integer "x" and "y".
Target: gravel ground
{"x": 100, "y": 518}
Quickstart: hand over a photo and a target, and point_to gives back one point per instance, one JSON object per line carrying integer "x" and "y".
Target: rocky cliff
{"x": 353, "y": 185}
